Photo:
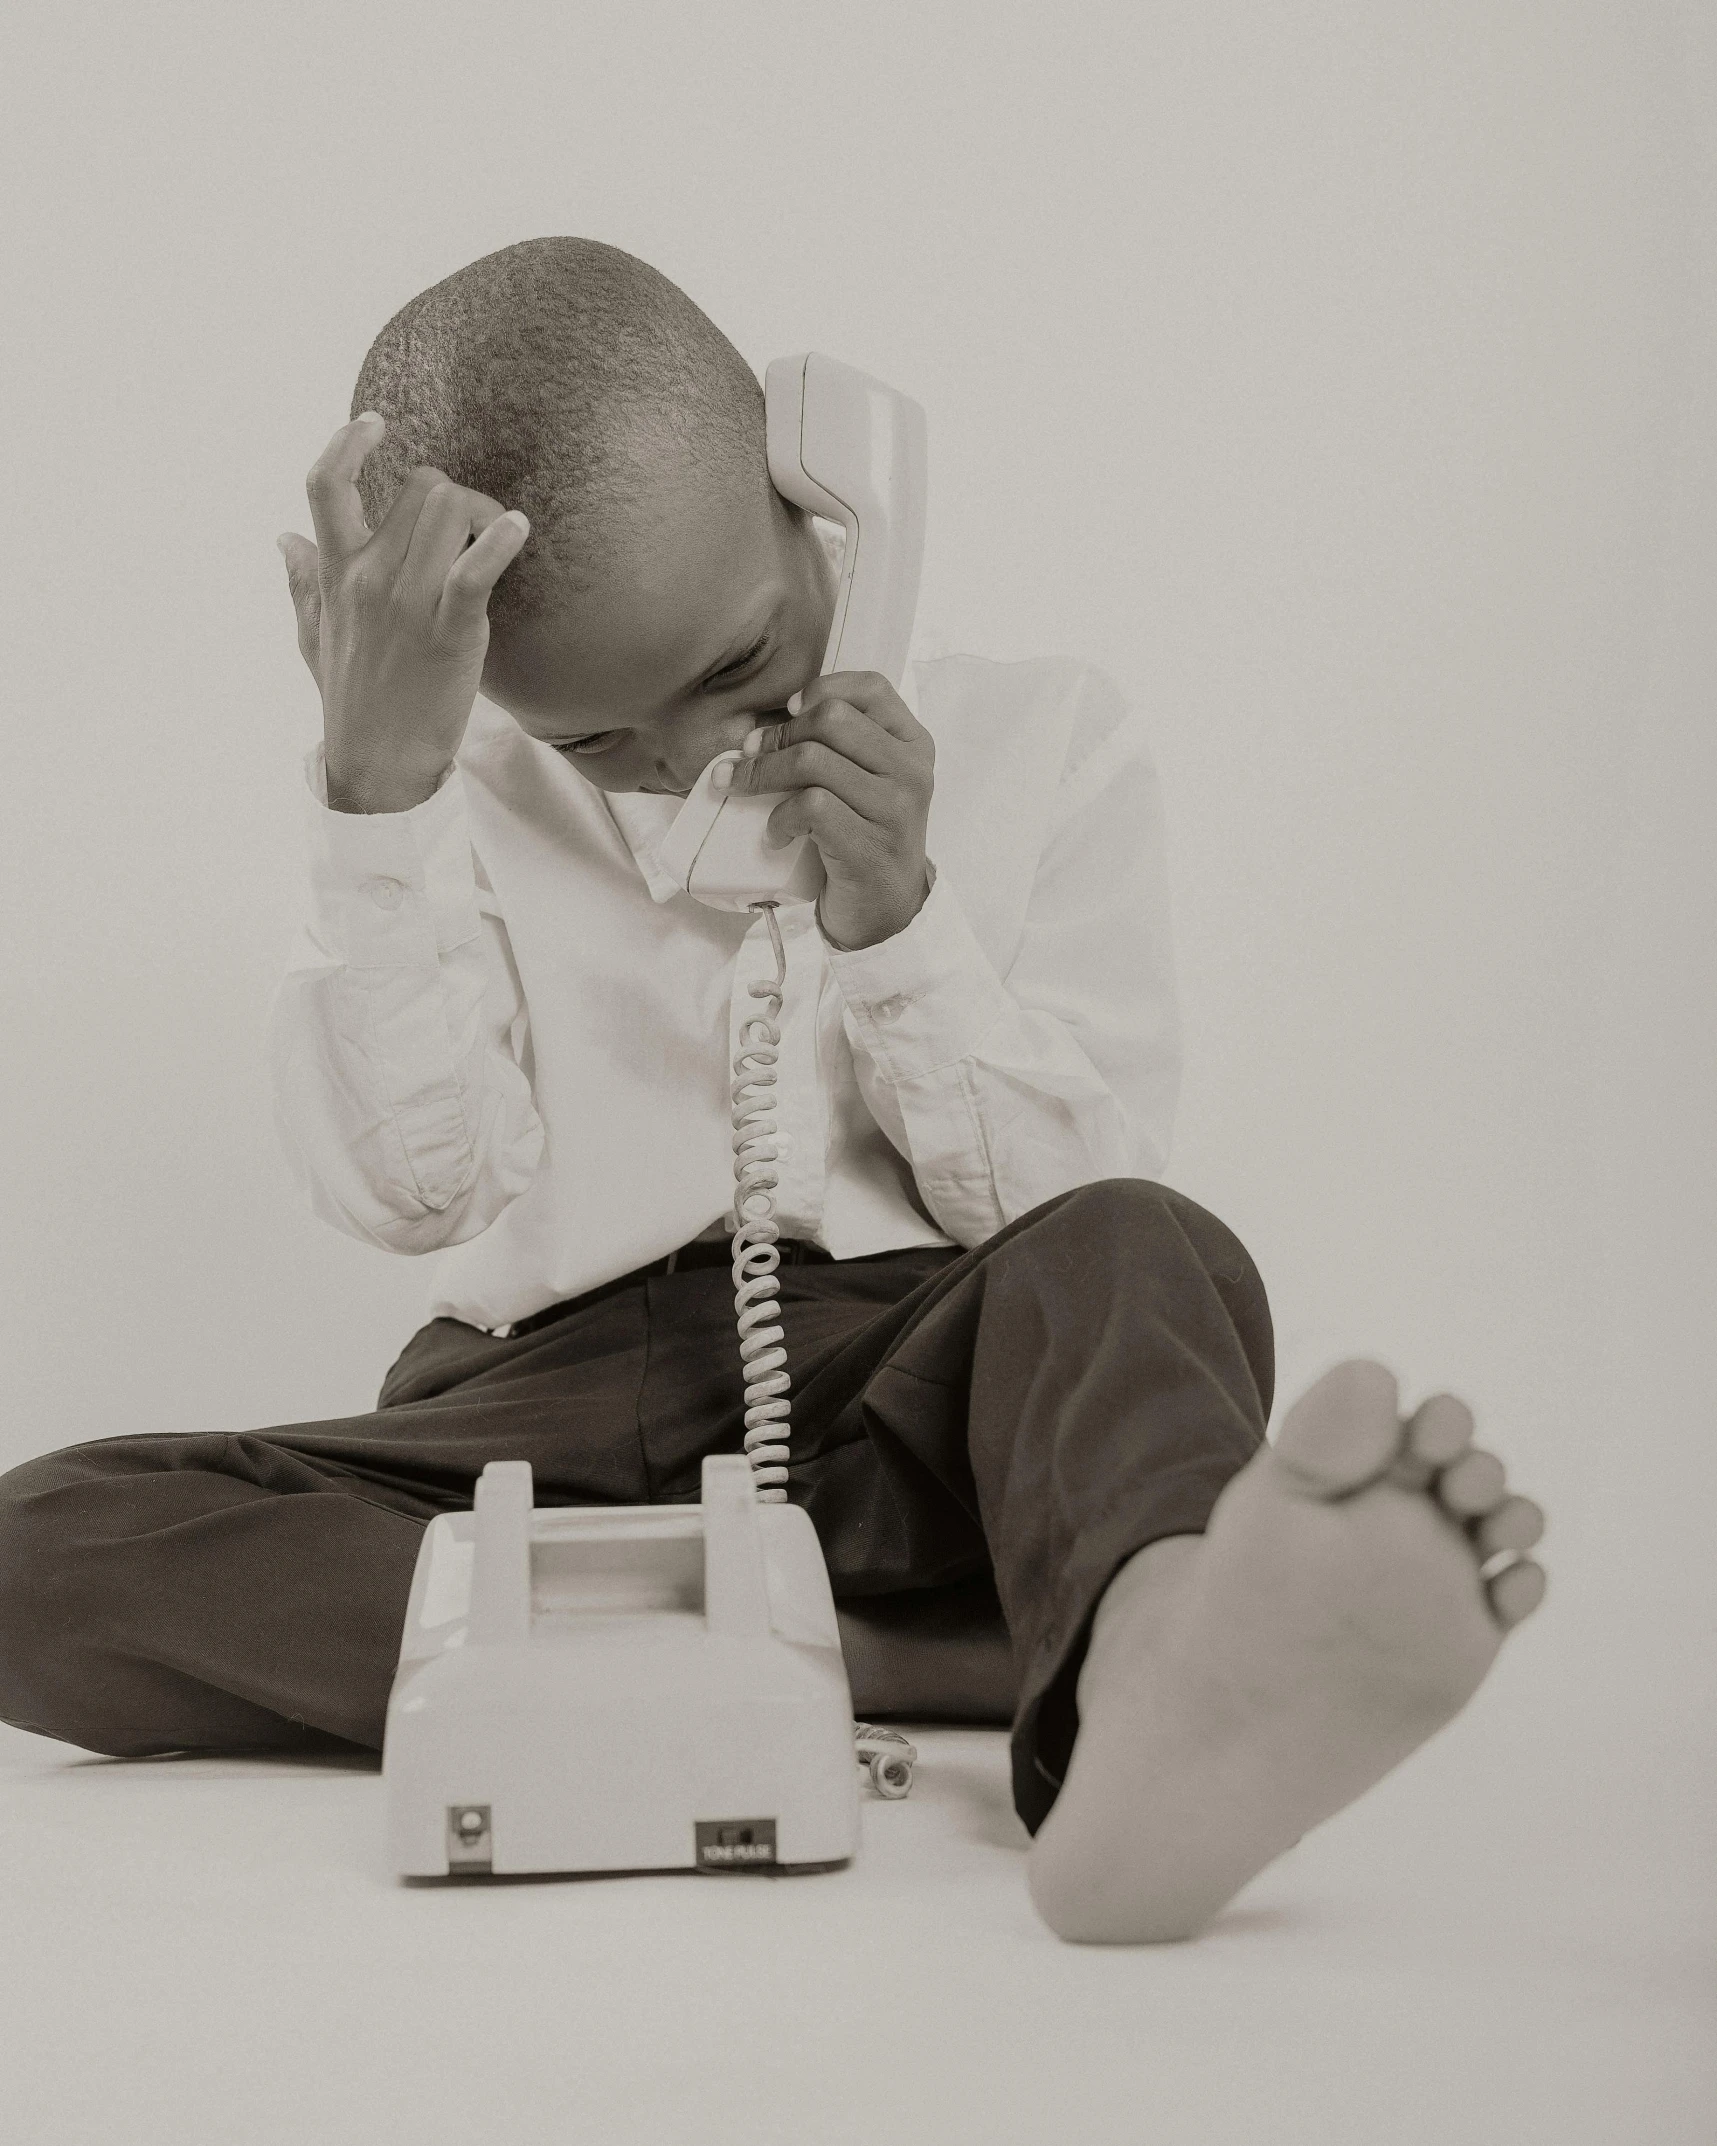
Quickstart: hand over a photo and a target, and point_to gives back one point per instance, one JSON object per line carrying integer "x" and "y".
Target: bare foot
{"x": 1241, "y": 1686}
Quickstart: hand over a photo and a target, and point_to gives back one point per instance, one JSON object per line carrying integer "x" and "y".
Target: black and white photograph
{"x": 861, "y": 1018}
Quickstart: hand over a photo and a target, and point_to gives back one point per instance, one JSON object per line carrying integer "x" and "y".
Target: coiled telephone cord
{"x": 887, "y": 1754}
{"x": 755, "y": 1259}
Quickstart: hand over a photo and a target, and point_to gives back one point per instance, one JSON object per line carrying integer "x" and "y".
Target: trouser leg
{"x": 184, "y": 1593}
{"x": 1122, "y": 1375}
{"x": 197, "y": 1593}
{"x": 1025, "y": 1414}
{"x": 193, "y": 1593}
{"x": 1082, "y": 1384}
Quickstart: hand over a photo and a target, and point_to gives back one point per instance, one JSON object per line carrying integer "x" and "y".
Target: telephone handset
{"x": 848, "y": 448}
{"x": 843, "y": 446}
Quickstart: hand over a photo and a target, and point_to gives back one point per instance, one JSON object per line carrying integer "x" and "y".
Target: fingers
{"x": 448, "y": 563}
{"x": 813, "y": 766}
{"x": 302, "y": 563}
{"x": 867, "y": 691}
{"x": 470, "y": 581}
{"x": 385, "y": 554}
{"x": 836, "y": 723}
{"x": 442, "y": 546}
{"x": 839, "y": 748}
{"x": 306, "y": 591}
{"x": 836, "y": 827}
{"x": 335, "y": 508}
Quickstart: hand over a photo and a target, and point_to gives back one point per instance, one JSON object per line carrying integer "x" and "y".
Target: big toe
{"x": 1343, "y": 1431}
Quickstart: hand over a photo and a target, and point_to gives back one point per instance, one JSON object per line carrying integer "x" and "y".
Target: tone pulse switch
{"x": 735, "y": 1843}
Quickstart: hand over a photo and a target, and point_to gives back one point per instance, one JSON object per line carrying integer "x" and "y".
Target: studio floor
{"x": 1509, "y": 1941}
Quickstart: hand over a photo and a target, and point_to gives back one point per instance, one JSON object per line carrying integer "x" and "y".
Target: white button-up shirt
{"x": 505, "y": 1036}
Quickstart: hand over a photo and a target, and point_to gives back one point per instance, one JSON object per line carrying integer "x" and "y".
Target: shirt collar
{"x": 643, "y": 819}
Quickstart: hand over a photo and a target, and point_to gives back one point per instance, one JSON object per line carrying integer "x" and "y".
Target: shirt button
{"x": 386, "y": 893}
{"x": 890, "y": 1009}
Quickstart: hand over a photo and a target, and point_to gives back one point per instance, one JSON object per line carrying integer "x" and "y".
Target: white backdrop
{"x": 1338, "y": 377}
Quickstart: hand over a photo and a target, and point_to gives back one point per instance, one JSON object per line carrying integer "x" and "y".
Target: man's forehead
{"x": 682, "y": 594}
{"x": 591, "y": 662}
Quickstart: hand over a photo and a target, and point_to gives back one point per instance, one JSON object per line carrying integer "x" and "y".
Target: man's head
{"x": 667, "y": 596}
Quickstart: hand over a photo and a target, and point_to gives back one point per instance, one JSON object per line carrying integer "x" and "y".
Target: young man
{"x": 1029, "y": 1383}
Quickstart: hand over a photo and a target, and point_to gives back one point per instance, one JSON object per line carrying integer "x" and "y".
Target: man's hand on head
{"x": 859, "y": 768}
{"x": 394, "y": 624}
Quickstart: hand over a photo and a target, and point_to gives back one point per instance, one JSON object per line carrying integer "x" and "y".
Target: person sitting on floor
{"x": 1031, "y": 1382}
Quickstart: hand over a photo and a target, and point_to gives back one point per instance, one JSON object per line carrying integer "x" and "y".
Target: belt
{"x": 701, "y": 1252}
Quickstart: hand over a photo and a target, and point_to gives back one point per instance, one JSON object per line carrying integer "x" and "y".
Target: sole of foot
{"x": 1354, "y": 1585}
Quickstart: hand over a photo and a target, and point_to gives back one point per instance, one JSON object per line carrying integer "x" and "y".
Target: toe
{"x": 1343, "y": 1431}
{"x": 1410, "y": 1472}
{"x": 1472, "y": 1485}
{"x": 1441, "y": 1430}
{"x": 1516, "y": 1524}
{"x": 1516, "y": 1592}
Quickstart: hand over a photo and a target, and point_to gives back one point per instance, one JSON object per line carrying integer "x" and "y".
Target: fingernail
{"x": 793, "y": 705}
{"x": 363, "y": 417}
{"x": 722, "y": 776}
{"x": 280, "y": 546}
{"x": 753, "y": 745}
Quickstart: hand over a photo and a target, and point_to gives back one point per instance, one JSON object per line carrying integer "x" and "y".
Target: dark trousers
{"x": 1016, "y": 1419}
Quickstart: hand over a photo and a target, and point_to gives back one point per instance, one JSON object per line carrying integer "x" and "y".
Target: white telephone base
{"x": 645, "y": 1687}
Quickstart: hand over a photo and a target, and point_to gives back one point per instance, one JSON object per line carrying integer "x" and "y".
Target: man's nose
{"x": 727, "y": 740}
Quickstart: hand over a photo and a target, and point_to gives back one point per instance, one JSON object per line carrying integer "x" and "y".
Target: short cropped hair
{"x": 568, "y": 379}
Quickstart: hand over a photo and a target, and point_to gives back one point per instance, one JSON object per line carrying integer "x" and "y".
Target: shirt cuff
{"x": 926, "y": 997}
{"x": 391, "y": 889}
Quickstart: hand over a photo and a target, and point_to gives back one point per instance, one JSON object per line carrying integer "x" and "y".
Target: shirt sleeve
{"x": 1002, "y": 1090}
{"x": 399, "y": 1044}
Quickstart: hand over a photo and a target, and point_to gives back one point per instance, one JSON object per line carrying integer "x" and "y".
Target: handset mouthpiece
{"x": 716, "y": 850}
